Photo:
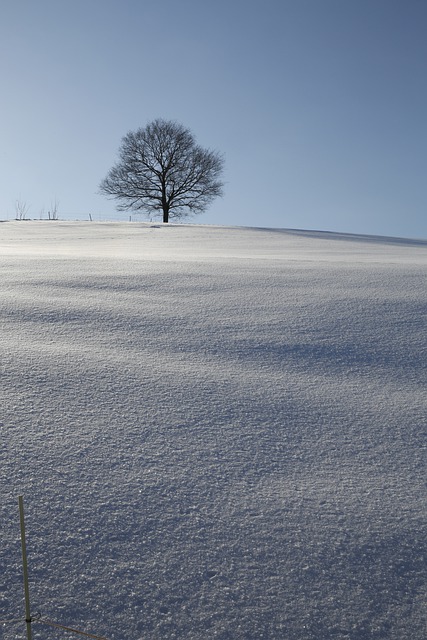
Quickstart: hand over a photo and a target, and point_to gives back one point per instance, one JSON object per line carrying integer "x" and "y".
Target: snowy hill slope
{"x": 218, "y": 432}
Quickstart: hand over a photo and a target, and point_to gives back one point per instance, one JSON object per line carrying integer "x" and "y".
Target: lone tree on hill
{"x": 163, "y": 171}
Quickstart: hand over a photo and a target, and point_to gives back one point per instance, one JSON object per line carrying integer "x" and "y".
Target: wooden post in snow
{"x": 25, "y": 568}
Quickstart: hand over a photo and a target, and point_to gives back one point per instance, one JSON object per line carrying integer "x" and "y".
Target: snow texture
{"x": 218, "y": 432}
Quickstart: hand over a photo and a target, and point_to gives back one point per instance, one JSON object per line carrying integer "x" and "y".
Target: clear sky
{"x": 320, "y": 106}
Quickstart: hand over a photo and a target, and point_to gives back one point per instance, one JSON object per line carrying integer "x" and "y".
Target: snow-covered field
{"x": 218, "y": 432}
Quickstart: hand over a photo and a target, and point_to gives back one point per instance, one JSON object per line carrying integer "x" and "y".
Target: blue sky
{"x": 320, "y": 106}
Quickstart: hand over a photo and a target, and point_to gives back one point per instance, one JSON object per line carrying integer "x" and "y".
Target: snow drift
{"x": 218, "y": 432}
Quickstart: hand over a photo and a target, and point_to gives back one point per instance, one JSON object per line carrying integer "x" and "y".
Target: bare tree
{"x": 53, "y": 212}
{"x": 162, "y": 171}
{"x": 21, "y": 209}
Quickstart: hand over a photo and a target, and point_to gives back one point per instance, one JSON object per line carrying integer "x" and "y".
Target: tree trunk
{"x": 165, "y": 203}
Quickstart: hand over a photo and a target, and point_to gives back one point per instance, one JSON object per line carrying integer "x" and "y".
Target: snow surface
{"x": 218, "y": 432}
